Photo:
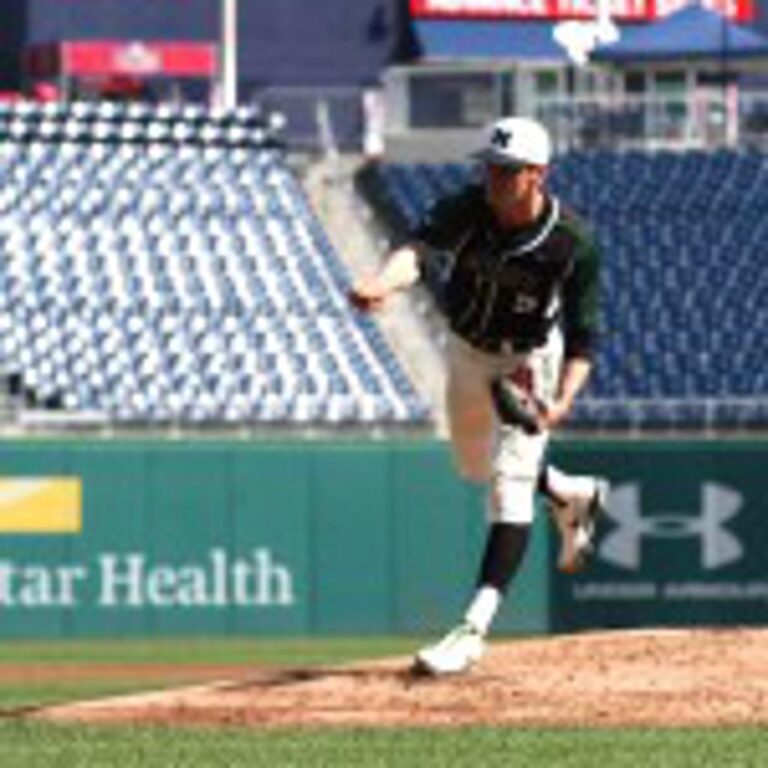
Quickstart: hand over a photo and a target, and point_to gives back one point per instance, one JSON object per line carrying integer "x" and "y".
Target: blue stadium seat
{"x": 161, "y": 265}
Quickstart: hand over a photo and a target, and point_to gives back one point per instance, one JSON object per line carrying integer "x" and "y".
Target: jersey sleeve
{"x": 581, "y": 299}
{"x": 444, "y": 222}
{"x": 438, "y": 235}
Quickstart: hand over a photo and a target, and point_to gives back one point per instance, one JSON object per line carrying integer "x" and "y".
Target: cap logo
{"x": 501, "y": 138}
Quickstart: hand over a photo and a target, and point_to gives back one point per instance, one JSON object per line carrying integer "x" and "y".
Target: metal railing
{"x": 705, "y": 120}
{"x": 706, "y": 106}
{"x": 318, "y": 118}
{"x": 707, "y": 415}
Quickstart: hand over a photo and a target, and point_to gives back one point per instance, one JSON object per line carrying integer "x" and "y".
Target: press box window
{"x": 453, "y": 100}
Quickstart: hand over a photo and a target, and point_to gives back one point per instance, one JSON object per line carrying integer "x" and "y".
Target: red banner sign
{"x": 622, "y": 10}
{"x": 133, "y": 59}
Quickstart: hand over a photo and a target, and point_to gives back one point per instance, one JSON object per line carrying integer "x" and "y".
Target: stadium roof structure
{"x": 694, "y": 32}
{"x": 474, "y": 39}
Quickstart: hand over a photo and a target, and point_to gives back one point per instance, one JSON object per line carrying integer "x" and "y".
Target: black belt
{"x": 505, "y": 346}
{"x": 519, "y": 346}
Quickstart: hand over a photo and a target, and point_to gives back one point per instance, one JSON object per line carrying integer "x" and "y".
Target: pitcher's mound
{"x": 659, "y": 678}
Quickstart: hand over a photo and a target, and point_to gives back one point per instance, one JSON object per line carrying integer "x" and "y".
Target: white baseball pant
{"x": 486, "y": 451}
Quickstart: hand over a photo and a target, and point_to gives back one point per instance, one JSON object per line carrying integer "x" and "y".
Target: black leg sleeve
{"x": 504, "y": 551}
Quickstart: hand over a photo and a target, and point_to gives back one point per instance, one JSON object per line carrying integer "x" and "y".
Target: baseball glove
{"x": 515, "y": 406}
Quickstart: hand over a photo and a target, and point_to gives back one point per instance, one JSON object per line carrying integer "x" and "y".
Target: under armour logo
{"x": 501, "y": 138}
{"x": 719, "y": 547}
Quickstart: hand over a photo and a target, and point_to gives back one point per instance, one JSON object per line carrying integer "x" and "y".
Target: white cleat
{"x": 454, "y": 654}
{"x": 576, "y": 519}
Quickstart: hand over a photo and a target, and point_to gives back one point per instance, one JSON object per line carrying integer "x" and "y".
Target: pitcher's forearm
{"x": 401, "y": 270}
{"x": 576, "y": 371}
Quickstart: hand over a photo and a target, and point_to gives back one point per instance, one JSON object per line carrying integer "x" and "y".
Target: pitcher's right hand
{"x": 369, "y": 294}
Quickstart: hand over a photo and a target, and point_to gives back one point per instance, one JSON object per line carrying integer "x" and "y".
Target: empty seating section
{"x": 162, "y": 265}
{"x": 111, "y": 122}
{"x": 685, "y": 307}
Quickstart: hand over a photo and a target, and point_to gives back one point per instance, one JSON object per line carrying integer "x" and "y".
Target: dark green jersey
{"x": 513, "y": 285}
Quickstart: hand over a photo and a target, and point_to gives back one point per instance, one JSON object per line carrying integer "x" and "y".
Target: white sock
{"x": 569, "y": 485}
{"x": 483, "y": 608}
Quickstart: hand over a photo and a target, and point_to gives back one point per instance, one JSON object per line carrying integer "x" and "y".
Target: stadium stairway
{"x": 408, "y": 324}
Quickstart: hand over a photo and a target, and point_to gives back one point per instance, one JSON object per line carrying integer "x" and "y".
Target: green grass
{"x": 271, "y": 652}
{"x": 28, "y": 744}
{"x": 259, "y": 653}
{"x": 130, "y": 747}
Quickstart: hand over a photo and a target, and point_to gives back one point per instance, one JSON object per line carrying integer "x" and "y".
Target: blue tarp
{"x": 693, "y": 32}
{"x": 488, "y": 40}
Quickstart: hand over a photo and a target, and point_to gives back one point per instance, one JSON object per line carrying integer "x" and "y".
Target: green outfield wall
{"x": 243, "y": 538}
{"x": 685, "y": 541}
{"x": 158, "y": 538}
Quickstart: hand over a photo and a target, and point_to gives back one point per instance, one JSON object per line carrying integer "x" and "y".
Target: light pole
{"x": 228, "y": 55}
{"x": 729, "y": 85}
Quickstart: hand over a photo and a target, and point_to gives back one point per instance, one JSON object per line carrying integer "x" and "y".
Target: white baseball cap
{"x": 516, "y": 141}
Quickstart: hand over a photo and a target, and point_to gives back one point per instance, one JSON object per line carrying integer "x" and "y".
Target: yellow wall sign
{"x": 40, "y": 505}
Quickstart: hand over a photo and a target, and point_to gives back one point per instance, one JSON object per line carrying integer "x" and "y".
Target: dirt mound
{"x": 661, "y": 678}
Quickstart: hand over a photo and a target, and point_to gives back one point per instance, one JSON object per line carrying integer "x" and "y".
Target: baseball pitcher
{"x": 520, "y": 295}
